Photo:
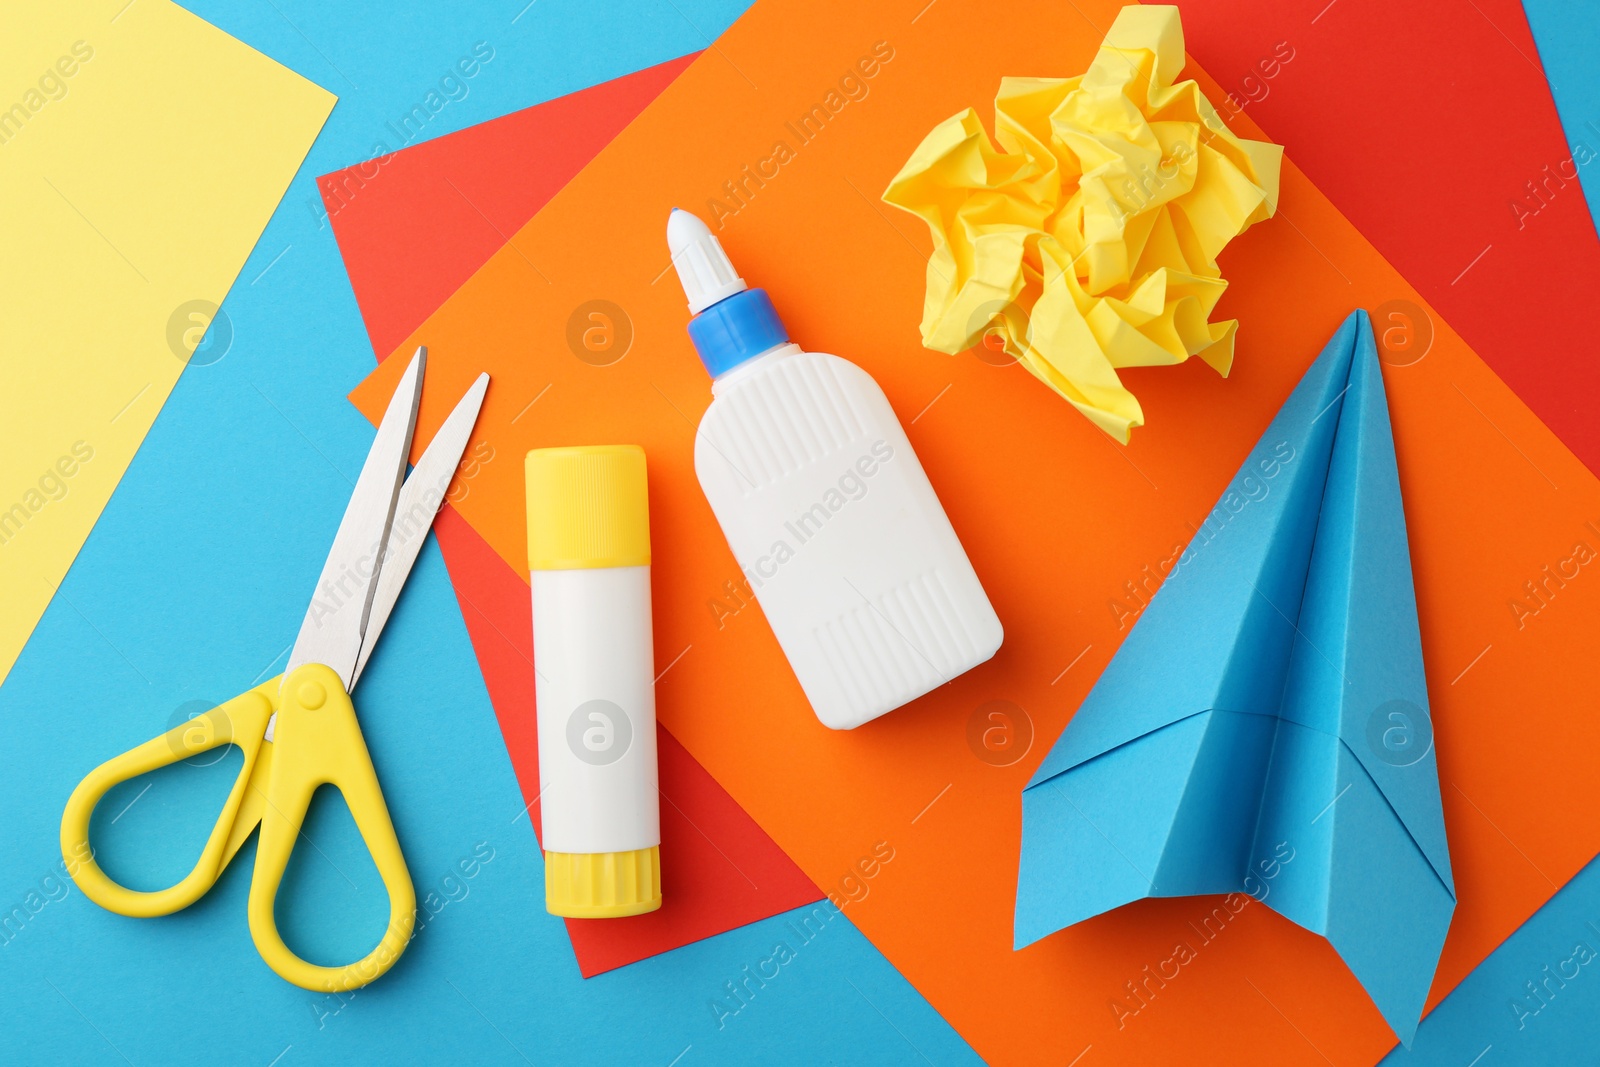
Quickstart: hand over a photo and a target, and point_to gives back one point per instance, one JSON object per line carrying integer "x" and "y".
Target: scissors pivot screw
{"x": 312, "y": 696}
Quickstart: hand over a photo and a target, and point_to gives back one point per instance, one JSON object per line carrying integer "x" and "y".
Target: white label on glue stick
{"x": 595, "y": 691}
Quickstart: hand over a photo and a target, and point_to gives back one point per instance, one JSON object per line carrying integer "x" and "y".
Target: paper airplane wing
{"x": 1363, "y": 815}
{"x": 1153, "y": 788}
{"x": 1269, "y": 702}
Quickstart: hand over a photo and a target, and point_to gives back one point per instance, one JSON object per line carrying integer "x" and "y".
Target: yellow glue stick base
{"x": 602, "y": 885}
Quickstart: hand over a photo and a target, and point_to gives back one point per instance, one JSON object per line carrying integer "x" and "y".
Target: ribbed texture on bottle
{"x": 782, "y": 422}
{"x": 587, "y": 507}
{"x": 602, "y": 885}
{"x": 898, "y": 645}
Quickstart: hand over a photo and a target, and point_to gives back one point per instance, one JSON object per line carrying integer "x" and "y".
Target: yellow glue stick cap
{"x": 587, "y": 507}
{"x": 602, "y": 885}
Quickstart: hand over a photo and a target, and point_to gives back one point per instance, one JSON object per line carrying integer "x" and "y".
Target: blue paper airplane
{"x": 1269, "y": 702}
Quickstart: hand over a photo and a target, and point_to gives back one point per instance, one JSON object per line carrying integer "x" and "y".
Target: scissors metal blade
{"x": 336, "y": 621}
{"x": 420, "y": 499}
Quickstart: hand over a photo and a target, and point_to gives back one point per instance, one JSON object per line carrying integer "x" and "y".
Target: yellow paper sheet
{"x": 142, "y": 152}
{"x": 1088, "y": 240}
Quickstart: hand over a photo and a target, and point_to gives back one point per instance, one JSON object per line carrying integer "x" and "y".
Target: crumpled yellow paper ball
{"x": 1088, "y": 239}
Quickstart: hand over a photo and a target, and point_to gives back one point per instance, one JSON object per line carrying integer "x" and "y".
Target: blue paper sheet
{"x": 1567, "y": 34}
{"x": 1534, "y": 1002}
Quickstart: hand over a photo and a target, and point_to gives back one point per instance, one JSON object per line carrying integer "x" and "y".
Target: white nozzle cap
{"x": 703, "y": 267}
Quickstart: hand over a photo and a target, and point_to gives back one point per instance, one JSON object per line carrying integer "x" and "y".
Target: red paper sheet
{"x": 1432, "y": 128}
{"x": 411, "y": 229}
{"x": 413, "y": 225}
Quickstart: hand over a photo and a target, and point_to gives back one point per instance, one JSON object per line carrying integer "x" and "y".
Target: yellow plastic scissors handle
{"x": 318, "y": 742}
{"x": 241, "y": 721}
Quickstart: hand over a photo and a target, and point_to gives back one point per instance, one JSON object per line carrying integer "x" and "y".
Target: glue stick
{"x": 589, "y": 569}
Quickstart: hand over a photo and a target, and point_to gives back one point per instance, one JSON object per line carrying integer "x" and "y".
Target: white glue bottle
{"x": 589, "y": 569}
{"x": 827, "y": 510}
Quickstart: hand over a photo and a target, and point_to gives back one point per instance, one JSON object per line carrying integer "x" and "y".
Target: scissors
{"x": 298, "y": 731}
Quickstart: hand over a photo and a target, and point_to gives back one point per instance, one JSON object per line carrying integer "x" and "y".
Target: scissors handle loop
{"x": 241, "y": 721}
{"x": 316, "y": 742}
{"x": 319, "y": 743}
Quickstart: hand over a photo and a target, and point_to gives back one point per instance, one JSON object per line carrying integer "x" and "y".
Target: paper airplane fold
{"x": 1270, "y": 702}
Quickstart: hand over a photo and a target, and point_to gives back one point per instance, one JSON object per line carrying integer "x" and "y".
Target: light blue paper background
{"x": 1494, "y": 1019}
{"x": 194, "y": 579}
{"x": 192, "y": 586}
{"x": 1568, "y": 35}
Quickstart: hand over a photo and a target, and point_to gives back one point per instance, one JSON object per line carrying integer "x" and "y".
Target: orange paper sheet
{"x": 1069, "y": 532}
